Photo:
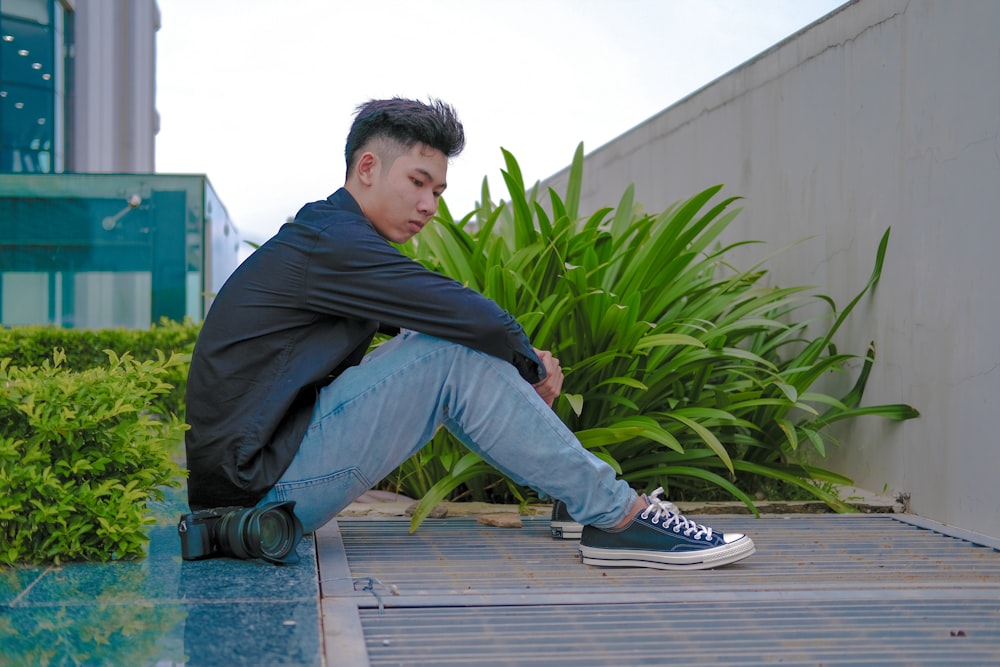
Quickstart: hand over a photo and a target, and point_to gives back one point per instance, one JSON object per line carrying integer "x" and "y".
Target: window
{"x": 27, "y": 86}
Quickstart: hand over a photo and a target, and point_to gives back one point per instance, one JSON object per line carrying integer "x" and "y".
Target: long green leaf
{"x": 575, "y": 183}
{"x": 443, "y": 488}
{"x": 706, "y": 436}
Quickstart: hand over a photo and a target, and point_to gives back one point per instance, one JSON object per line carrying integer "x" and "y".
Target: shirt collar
{"x": 344, "y": 200}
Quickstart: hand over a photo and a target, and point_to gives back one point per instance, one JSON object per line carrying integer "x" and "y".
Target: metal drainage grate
{"x": 822, "y": 589}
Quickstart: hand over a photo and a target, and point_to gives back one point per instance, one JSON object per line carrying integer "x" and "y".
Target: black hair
{"x": 406, "y": 122}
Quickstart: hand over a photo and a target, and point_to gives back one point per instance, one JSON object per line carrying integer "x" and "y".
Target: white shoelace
{"x": 660, "y": 507}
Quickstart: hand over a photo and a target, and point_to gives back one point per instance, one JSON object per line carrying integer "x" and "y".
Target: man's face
{"x": 404, "y": 192}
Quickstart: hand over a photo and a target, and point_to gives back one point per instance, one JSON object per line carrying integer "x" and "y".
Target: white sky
{"x": 259, "y": 94}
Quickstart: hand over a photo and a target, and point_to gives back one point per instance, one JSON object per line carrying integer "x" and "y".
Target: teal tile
{"x": 15, "y": 580}
{"x": 104, "y": 633}
{"x": 228, "y": 579}
{"x": 162, "y": 610}
{"x": 140, "y": 634}
{"x": 163, "y": 575}
{"x": 153, "y": 577}
{"x": 224, "y": 634}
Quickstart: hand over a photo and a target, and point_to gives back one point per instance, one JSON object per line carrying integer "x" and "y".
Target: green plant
{"x": 680, "y": 369}
{"x": 80, "y": 456}
{"x": 83, "y": 349}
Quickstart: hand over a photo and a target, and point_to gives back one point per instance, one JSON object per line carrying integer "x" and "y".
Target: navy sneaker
{"x": 660, "y": 537}
{"x": 562, "y": 526}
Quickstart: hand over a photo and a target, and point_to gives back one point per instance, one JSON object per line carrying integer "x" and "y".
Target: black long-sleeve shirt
{"x": 300, "y": 309}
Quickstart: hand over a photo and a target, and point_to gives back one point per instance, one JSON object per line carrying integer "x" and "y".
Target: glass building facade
{"x": 88, "y": 237}
{"x": 33, "y": 40}
{"x": 95, "y": 251}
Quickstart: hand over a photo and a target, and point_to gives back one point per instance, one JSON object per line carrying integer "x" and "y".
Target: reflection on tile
{"x": 89, "y": 634}
{"x": 162, "y": 610}
{"x": 207, "y": 635}
{"x": 14, "y": 581}
{"x": 163, "y": 575}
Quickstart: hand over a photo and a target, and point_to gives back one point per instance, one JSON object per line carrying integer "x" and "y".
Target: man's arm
{"x": 355, "y": 273}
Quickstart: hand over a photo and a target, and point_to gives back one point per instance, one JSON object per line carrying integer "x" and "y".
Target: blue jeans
{"x": 379, "y": 413}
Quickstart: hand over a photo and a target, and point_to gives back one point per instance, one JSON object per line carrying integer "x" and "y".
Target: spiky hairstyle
{"x": 405, "y": 123}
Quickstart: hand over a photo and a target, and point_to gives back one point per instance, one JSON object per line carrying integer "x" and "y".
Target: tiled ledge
{"x": 163, "y": 610}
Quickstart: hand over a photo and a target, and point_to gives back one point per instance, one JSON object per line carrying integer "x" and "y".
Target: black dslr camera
{"x": 270, "y": 532}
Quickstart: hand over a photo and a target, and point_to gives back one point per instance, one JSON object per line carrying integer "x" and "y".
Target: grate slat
{"x": 767, "y": 633}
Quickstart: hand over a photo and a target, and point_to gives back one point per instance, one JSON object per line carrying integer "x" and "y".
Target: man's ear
{"x": 367, "y": 167}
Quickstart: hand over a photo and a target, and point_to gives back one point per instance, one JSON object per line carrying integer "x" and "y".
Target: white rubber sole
{"x": 566, "y": 530}
{"x": 705, "y": 559}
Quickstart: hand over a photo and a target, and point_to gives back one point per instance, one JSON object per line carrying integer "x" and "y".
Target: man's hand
{"x": 549, "y": 388}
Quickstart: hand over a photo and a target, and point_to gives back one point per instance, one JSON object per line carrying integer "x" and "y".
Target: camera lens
{"x": 270, "y": 532}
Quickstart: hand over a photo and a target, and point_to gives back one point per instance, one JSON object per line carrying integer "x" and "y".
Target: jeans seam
{"x": 370, "y": 388}
{"x": 282, "y": 487}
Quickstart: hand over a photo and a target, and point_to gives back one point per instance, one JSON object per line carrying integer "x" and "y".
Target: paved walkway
{"x": 821, "y": 590}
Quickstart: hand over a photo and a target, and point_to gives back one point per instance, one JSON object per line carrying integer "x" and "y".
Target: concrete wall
{"x": 883, "y": 113}
{"x": 115, "y": 122}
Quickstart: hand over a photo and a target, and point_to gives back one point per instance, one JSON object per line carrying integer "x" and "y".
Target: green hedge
{"x": 80, "y": 456}
{"x": 32, "y": 345}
